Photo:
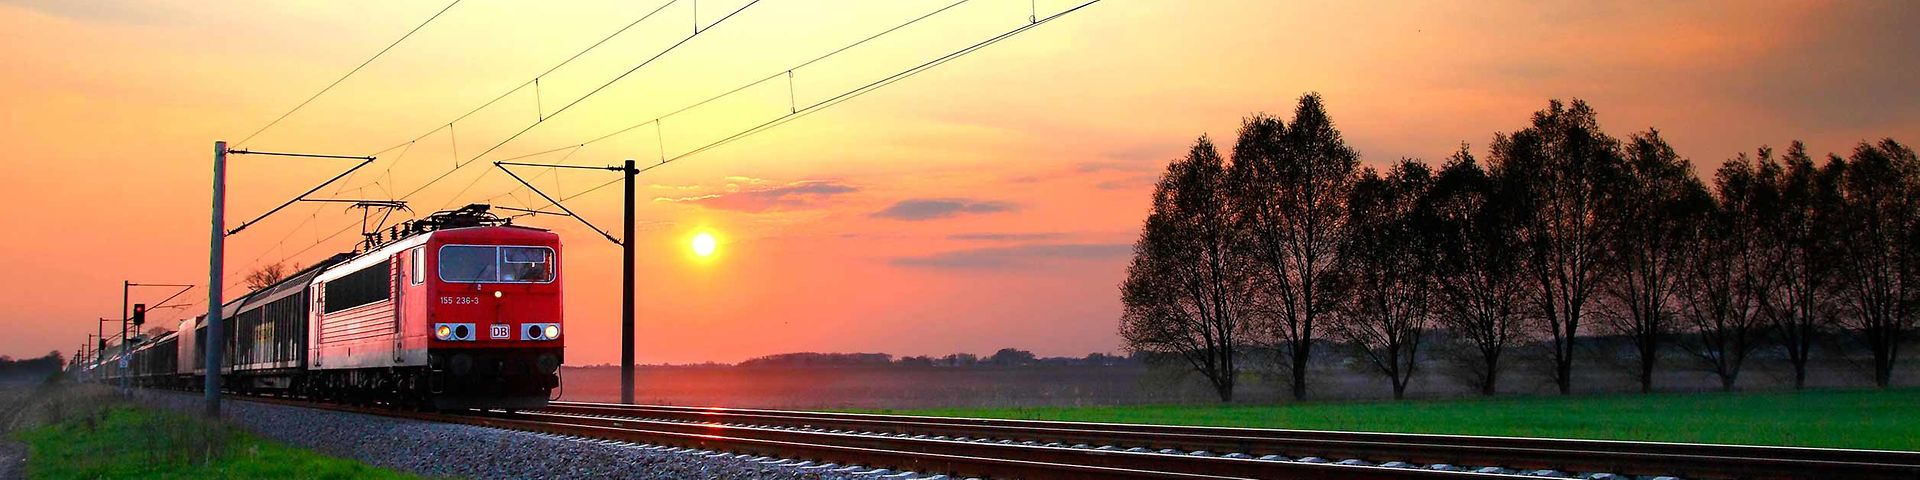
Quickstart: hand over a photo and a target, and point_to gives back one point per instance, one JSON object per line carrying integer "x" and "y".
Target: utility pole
{"x": 216, "y": 255}
{"x": 626, "y": 291}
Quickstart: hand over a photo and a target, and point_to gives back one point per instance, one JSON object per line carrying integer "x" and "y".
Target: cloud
{"x": 735, "y": 183}
{"x": 1095, "y": 167}
{"x": 1143, "y": 182}
{"x": 1005, "y": 237}
{"x": 794, "y": 195}
{"x": 1147, "y": 153}
{"x": 917, "y": 209}
{"x": 1138, "y": 158}
{"x": 1016, "y": 256}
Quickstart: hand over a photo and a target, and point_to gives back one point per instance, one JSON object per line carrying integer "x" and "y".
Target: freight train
{"x": 461, "y": 309}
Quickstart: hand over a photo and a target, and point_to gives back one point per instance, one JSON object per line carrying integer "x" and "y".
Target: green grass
{"x": 125, "y": 442}
{"x": 1872, "y": 419}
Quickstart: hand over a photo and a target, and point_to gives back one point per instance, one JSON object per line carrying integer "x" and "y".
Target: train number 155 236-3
{"x": 459, "y": 300}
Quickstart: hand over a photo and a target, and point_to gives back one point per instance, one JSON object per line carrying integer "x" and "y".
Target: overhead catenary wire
{"x": 363, "y": 162}
{"x": 311, "y": 218}
{"x": 387, "y": 173}
{"x": 290, "y": 232}
{"x": 809, "y": 109}
{"x": 343, "y": 78}
{"x": 864, "y": 89}
{"x": 564, "y": 198}
{"x": 769, "y": 77}
{"x": 536, "y": 77}
{"x": 616, "y": 79}
{"x": 795, "y": 113}
{"x": 511, "y": 192}
{"x": 583, "y": 220}
{"x": 463, "y": 191}
{"x": 450, "y": 125}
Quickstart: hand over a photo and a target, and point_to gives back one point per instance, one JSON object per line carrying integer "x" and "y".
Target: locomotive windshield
{"x": 526, "y": 264}
{"x": 494, "y": 264}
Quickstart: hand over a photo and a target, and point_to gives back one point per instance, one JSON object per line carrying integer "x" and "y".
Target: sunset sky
{"x": 990, "y": 202}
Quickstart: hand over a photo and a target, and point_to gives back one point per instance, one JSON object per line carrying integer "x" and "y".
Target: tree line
{"x": 1287, "y": 242}
{"x": 30, "y": 369}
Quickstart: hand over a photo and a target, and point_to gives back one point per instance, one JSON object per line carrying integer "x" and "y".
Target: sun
{"x": 703, "y": 244}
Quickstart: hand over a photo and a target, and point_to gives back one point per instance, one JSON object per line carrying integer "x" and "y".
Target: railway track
{"x": 1402, "y": 451}
{"x": 964, "y": 447}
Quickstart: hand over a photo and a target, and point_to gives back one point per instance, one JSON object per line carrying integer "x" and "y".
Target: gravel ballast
{"x": 445, "y": 449}
{"x": 467, "y": 451}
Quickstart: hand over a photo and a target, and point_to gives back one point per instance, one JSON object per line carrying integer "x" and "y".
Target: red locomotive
{"x": 461, "y": 309}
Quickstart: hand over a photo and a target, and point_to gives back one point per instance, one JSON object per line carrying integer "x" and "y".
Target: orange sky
{"x": 987, "y": 203}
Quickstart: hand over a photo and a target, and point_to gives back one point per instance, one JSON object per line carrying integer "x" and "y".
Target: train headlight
{"x": 458, "y": 332}
{"x": 552, "y": 331}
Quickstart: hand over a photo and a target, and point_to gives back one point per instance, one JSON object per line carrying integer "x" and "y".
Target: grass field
{"x": 1843, "y": 419}
{"x": 124, "y": 442}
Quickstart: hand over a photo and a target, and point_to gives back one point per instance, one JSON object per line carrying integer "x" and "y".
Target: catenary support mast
{"x": 626, "y": 292}
{"x": 216, "y": 255}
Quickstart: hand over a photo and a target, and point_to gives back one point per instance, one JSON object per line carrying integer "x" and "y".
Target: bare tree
{"x": 1478, "y": 277}
{"x": 266, "y": 275}
{"x": 1879, "y": 226}
{"x": 1648, "y": 217}
{"x": 1564, "y": 167}
{"x": 1185, "y": 289}
{"x": 1386, "y": 271}
{"x": 1799, "y": 256}
{"x": 1724, "y": 280}
{"x": 1289, "y": 194}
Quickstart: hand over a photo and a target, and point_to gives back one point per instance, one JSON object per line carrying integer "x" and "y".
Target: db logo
{"x": 500, "y": 331}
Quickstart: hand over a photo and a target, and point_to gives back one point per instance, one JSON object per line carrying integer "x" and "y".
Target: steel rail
{"x": 1208, "y": 466}
{"x": 990, "y": 460}
{"x": 1693, "y": 460}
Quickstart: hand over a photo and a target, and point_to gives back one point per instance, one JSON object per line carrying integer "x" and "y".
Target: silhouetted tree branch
{"x": 1289, "y": 195}
{"x": 266, "y": 275}
{"x": 1185, "y": 290}
{"x": 1565, "y": 167}
{"x": 1386, "y": 271}
{"x": 1648, "y": 217}
{"x": 1480, "y": 282}
{"x": 1879, "y": 212}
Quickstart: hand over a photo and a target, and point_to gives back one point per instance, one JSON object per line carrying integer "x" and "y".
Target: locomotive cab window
{"x": 495, "y": 264}
{"x": 526, "y": 264}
